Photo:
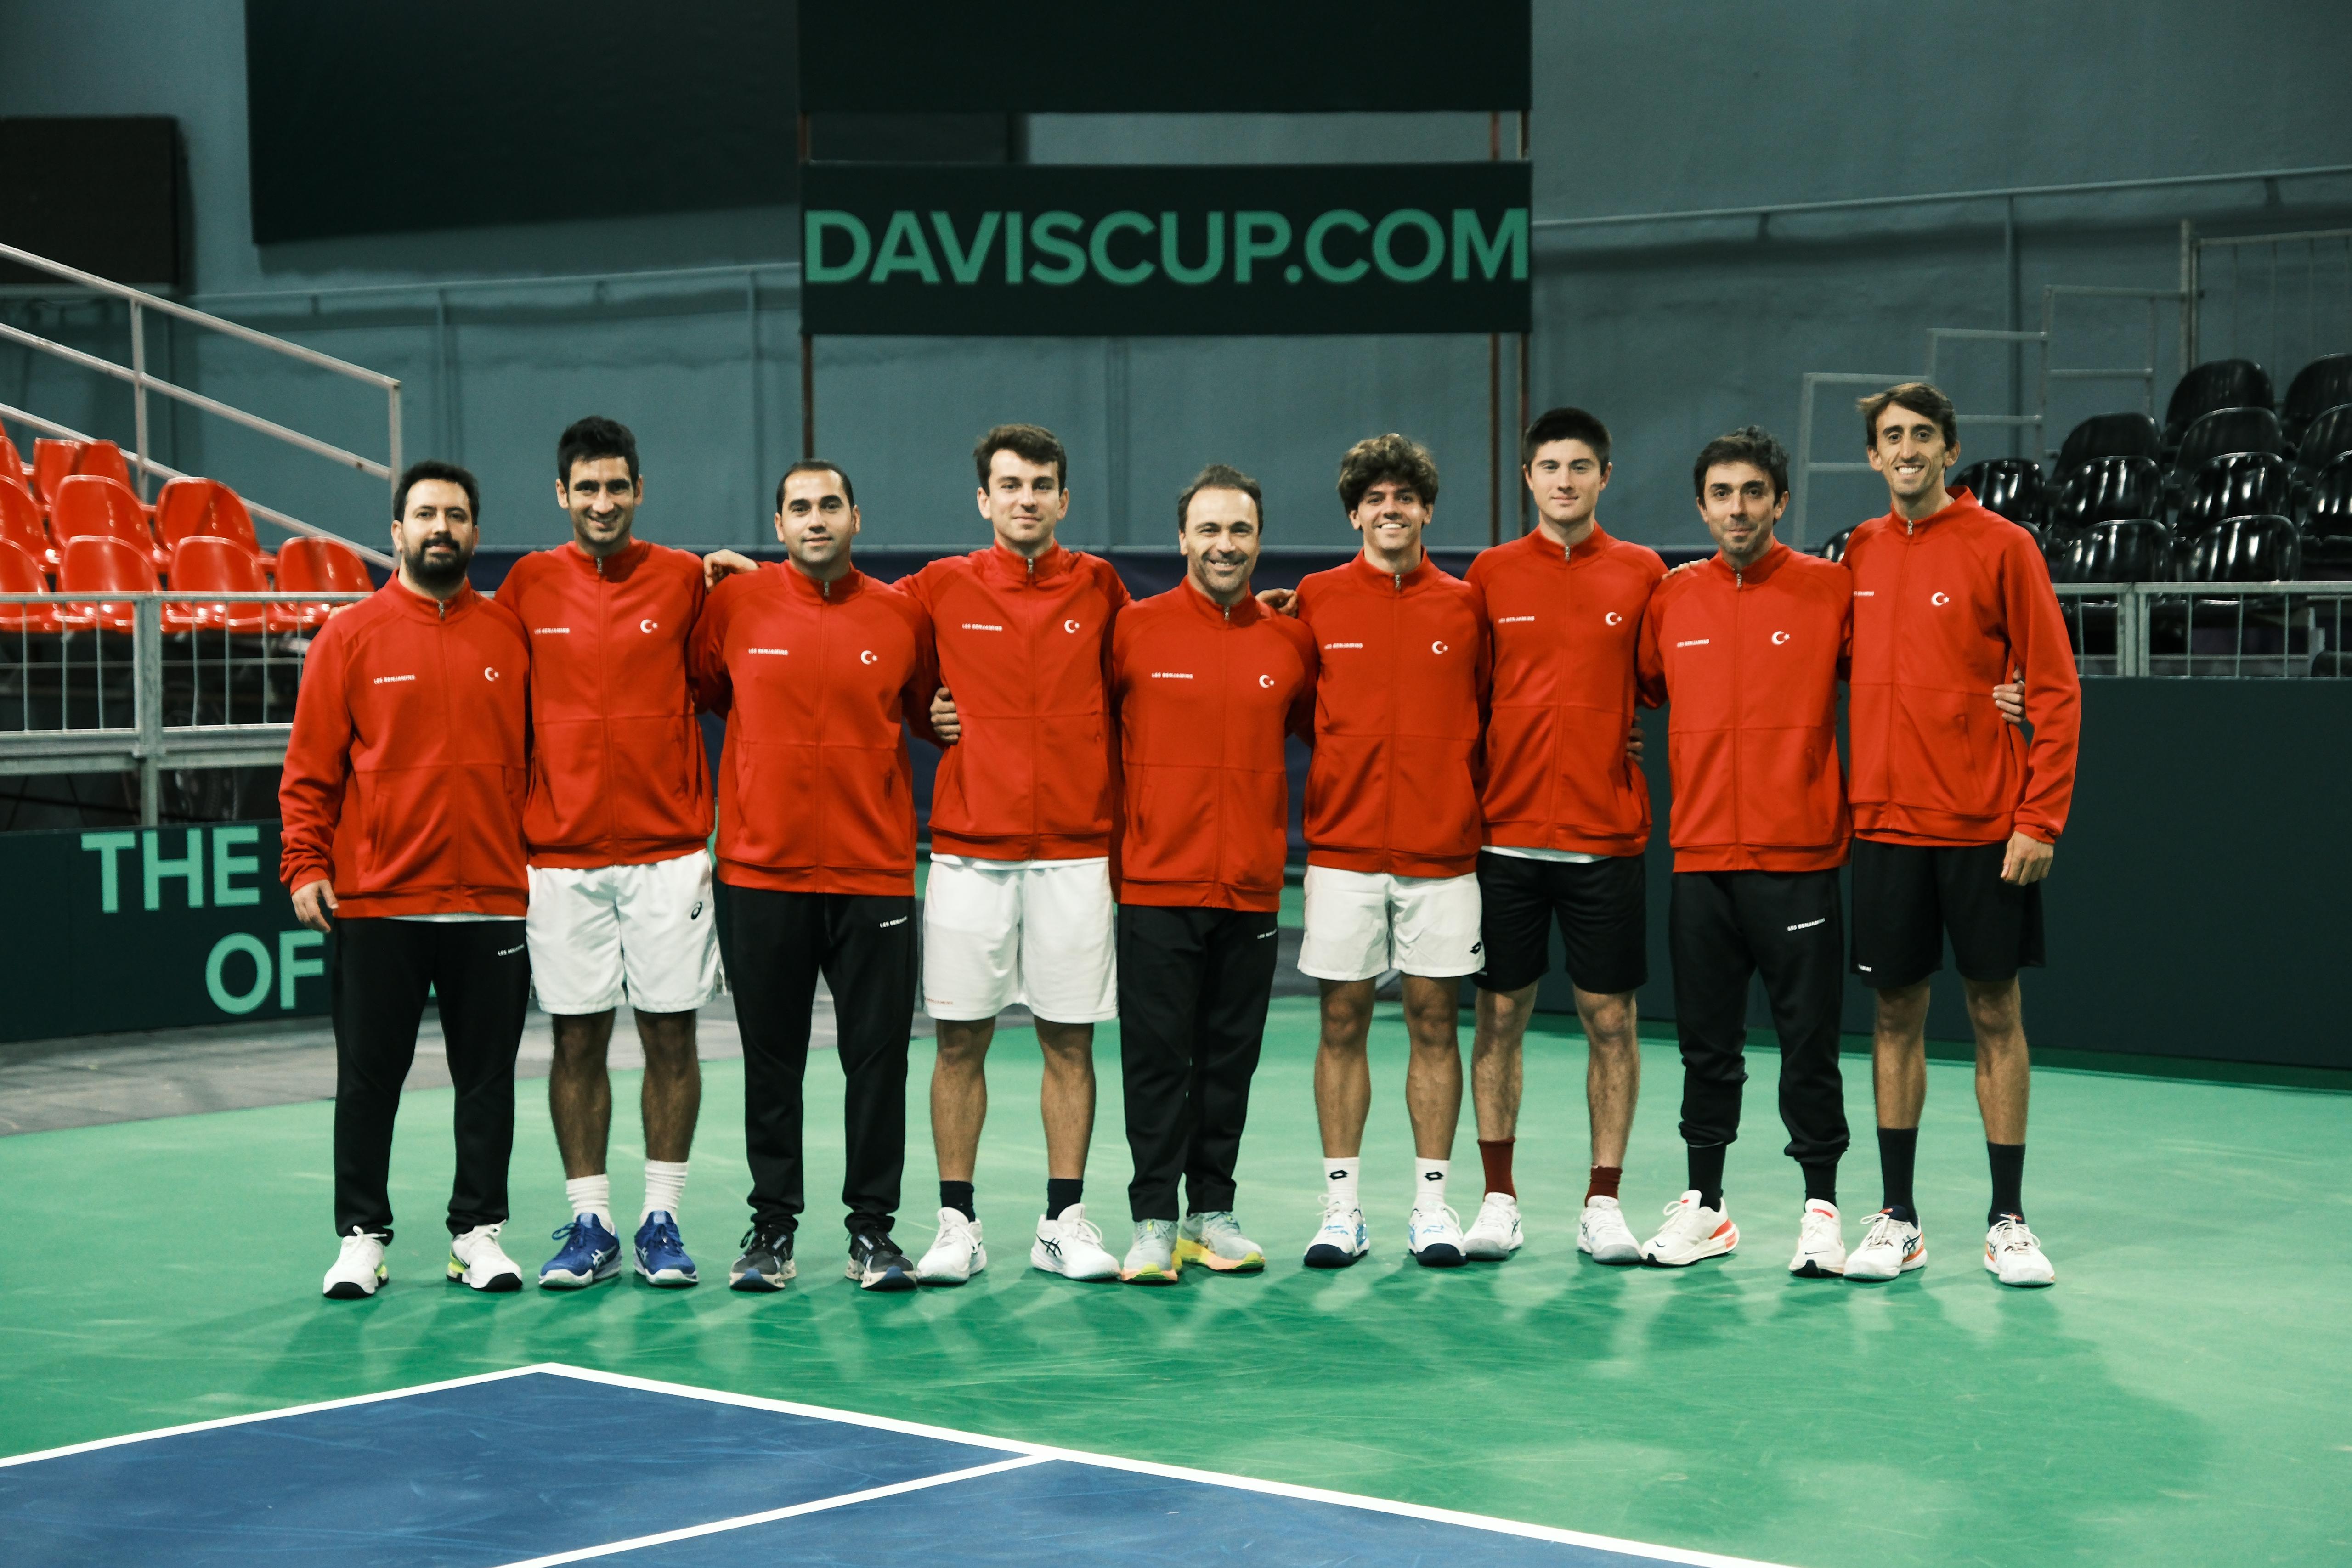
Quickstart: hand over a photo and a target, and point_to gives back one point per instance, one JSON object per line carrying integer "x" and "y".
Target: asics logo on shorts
{"x": 696, "y": 912}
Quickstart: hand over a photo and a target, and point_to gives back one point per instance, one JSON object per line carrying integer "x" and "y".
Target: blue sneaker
{"x": 590, "y": 1256}
{"x": 661, "y": 1256}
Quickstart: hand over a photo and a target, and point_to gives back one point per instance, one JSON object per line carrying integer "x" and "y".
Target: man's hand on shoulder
{"x": 944, "y": 722}
{"x": 724, "y": 563}
{"x": 314, "y": 904}
{"x": 1281, "y": 601}
{"x": 2028, "y": 859}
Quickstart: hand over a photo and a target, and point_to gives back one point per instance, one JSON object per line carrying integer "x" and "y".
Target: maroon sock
{"x": 1605, "y": 1182}
{"x": 1495, "y": 1156}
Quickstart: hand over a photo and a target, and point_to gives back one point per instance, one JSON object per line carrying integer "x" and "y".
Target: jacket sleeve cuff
{"x": 302, "y": 872}
{"x": 2038, "y": 830}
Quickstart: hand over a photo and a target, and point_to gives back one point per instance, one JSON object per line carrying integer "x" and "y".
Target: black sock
{"x": 957, "y": 1194}
{"x": 1898, "y": 1147}
{"x": 1061, "y": 1192}
{"x": 1821, "y": 1182}
{"x": 2008, "y": 1180}
{"x": 1706, "y": 1173}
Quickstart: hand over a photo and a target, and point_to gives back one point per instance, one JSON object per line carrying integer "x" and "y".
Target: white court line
{"x": 949, "y": 1434}
{"x": 744, "y": 1521}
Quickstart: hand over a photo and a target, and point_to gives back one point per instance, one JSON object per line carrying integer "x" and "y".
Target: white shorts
{"x": 1033, "y": 931}
{"x": 1360, "y": 924}
{"x": 648, "y": 931}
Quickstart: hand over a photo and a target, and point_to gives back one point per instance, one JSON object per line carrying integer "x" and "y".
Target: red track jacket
{"x": 1944, "y": 609}
{"x": 817, "y": 793}
{"x": 1025, "y": 647}
{"x": 1204, "y": 696}
{"x": 619, "y": 776}
{"x": 1751, "y": 662}
{"x": 403, "y": 778}
{"x": 1399, "y": 697}
{"x": 1566, "y": 626}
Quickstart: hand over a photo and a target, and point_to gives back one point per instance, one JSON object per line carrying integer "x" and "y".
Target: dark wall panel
{"x": 99, "y": 194}
{"x": 436, "y": 114}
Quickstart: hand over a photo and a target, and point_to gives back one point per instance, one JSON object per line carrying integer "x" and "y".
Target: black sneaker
{"x": 767, "y": 1260}
{"x": 877, "y": 1264}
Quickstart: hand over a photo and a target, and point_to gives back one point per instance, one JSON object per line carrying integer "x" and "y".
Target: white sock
{"x": 665, "y": 1188}
{"x": 590, "y": 1194}
{"x": 1429, "y": 1183}
{"x": 1339, "y": 1180}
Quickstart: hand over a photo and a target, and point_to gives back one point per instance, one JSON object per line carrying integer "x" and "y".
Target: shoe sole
{"x": 351, "y": 1290}
{"x": 1330, "y": 1258}
{"x": 1809, "y": 1270}
{"x": 498, "y": 1285}
{"x": 1909, "y": 1266}
{"x": 1994, "y": 1269}
{"x": 1439, "y": 1255}
{"x": 760, "y": 1282}
{"x": 1046, "y": 1266}
{"x": 1194, "y": 1252}
{"x": 887, "y": 1281}
{"x": 1149, "y": 1277}
{"x": 1725, "y": 1250}
{"x": 666, "y": 1280}
{"x": 1484, "y": 1252}
{"x": 567, "y": 1281}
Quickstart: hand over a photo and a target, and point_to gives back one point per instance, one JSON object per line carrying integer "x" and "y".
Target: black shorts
{"x": 1908, "y": 897}
{"x": 1602, "y": 907}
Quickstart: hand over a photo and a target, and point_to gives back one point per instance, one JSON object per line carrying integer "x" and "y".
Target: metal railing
{"x": 2234, "y": 630}
{"x": 2326, "y": 265}
{"x": 143, "y": 381}
{"x": 149, "y": 682}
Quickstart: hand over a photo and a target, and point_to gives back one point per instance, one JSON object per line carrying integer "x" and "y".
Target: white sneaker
{"x": 1601, "y": 1231}
{"x": 1496, "y": 1234}
{"x": 1071, "y": 1246}
{"x": 2013, "y": 1254}
{"x": 359, "y": 1268}
{"x": 1692, "y": 1231}
{"x": 1342, "y": 1238}
{"x": 1892, "y": 1247}
{"x": 1820, "y": 1242}
{"x": 956, "y": 1255}
{"x": 1434, "y": 1236}
{"x": 479, "y": 1263}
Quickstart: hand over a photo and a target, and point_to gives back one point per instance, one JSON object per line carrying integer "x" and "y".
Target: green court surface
{"x": 2184, "y": 1395}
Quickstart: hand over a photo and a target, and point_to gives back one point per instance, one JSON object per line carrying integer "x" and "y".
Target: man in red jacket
{"x": 1568, "y": 819}
{"x": 1956, "y": 815}
{"x": 1749, "y": 648}
{"x": 1392, "y": 831}
{"x": 1206, "y": 684}
{"x": 402, "y": 803}
{"x": 617, "y": 821}
{"x": 815, "y": 664}
{"x": 1018, "y": 905}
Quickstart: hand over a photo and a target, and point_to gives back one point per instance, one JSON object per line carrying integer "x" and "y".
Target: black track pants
{"x": 1192, "y": 990}
{"x": 865, "y": 947}
{"x": 381, "y": 971}
{"x": 1727, "y": 925}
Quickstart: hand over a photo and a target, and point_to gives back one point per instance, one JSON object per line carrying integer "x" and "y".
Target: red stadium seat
{"x": 20, "y": 572}
{"x": 202, "y": 562}
{"x": 105, "y": 459}
{"x": 12, "y": 466}
{"x": 53, "y": 462}
{"x": 189, "y": 508}
{"x": 20, "y": 525}
{"x": 96, "y": 565}
{"x": 89, "y": 506}
{"x": 308, "y": 563}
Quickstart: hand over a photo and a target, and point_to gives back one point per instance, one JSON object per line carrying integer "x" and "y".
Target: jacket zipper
{"x": 1739, "y": 725}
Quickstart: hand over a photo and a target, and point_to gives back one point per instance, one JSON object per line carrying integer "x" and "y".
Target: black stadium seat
{"x": 2320, "y": 385}
{"x": 2328, "y": 437}
{"x": 2243, "y": 549}
{"x": 2226, "y": 430}
{"x": 2327, "y": 523}
{"x": 2104, "y": 489}
{"x": 2136, "y": 549}
{"x": 2010, "y": 487}
{"x": 2108, "y": 436}
{"x": 2215, "y": 384}
{"x": 2235, "y": 485}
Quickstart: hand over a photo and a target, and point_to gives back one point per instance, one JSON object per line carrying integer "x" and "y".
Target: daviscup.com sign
{"x": 951, "y": 250}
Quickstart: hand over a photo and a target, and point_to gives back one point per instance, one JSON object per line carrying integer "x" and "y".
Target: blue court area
{"x": 551, "y": 1465}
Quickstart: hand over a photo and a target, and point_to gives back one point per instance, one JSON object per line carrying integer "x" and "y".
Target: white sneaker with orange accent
{"x": 1820, "y": 1242}
{"x": 2014, "y": 1256}
{"x": 1692, "y": 1232}
{"x": 1891, "y": 1247}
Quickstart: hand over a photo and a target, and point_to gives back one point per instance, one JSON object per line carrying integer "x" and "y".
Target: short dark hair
{"x": 1921, "y": 398}
{"x": 1392, "y": 457}
{"x": 434, "y": 468}
{"x": 818, "y": 466}
{"x": 1565, "y": 424}
{"x": 1219, "y": 476}
{"x": 1750, "y": 444}
{"x": 586, "y": 439}
{"x": 1032, "y": 442}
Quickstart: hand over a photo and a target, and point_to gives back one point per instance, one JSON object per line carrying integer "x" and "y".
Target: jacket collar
{"x": 1537, "y": 542}
{"x": 1760, "y": 571}
{"x": 1405, "y": 582}
{"x": 1245, "y": 614}
{"x": 1008, "y": 566}
{"x": 424, "y": 607}
{"x": 1958, "y": 499}
{"x": 614, "y": 567}
{"x": 799, "y": 584}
